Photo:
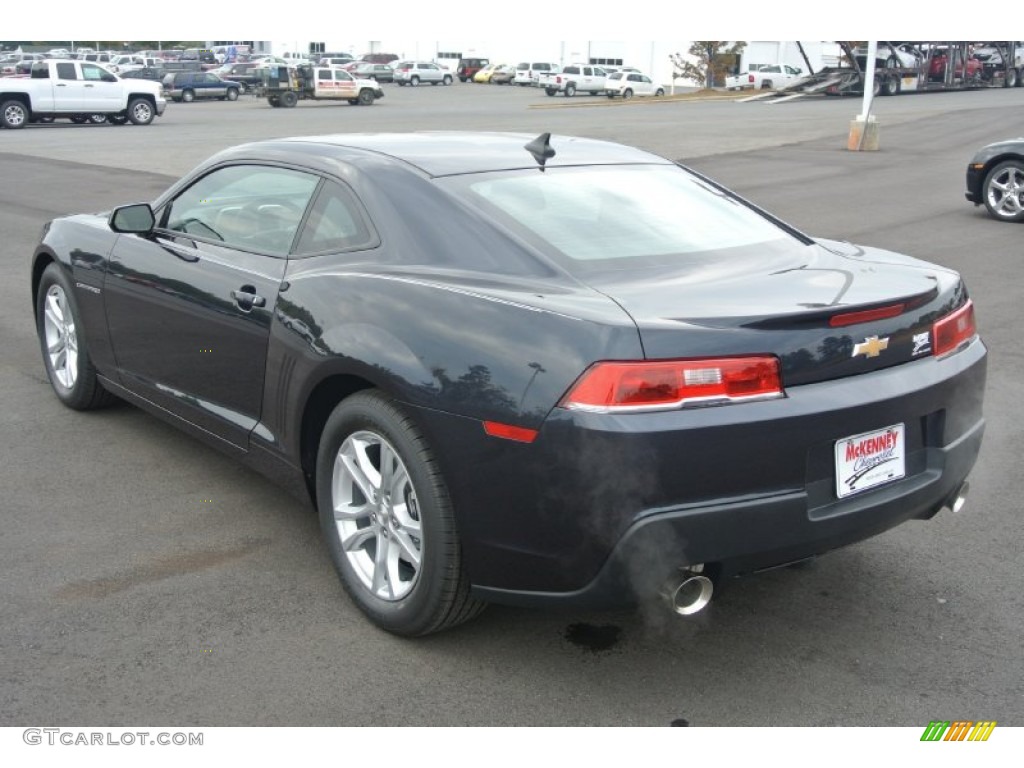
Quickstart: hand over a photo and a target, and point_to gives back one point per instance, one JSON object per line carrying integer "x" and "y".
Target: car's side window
{"x": 251, "y": 207}
{"x": 92, "y": 72}
{"x": 66, "y": 71}
{"x": 335, "y": 223}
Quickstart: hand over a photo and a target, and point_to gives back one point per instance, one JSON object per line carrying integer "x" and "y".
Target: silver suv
{"x": 416, "y": 72}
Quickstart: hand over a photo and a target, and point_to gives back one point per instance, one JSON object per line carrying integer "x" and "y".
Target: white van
{"x": 529, "y": 72}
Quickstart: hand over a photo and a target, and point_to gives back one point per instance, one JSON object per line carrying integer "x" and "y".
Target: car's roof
{"x": 447, "y": 153}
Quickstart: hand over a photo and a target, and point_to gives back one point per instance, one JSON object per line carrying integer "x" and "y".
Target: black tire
{"x": 891, "y": 86}
{"x": 660, "y": 92}
{"x": 97, "y": 119}
{"x": 766, "y": 85}
{"x": 232, "y": 94}
{"x": 550, "y": 91}
{"x": 289, "y": 99}
{"x": 447, "y": 80}
{"x": 14, "y": 114}
{"x": 141, "y": 111}
{"x": 627, "y": 94}
{"x": 60, "y": 330}
{"x": 570, "y": 89}
{"x": 79, "y": 119}
{"x": 118, "y": 119}
{"x": 353, "y": 102}
{"x": 365, "y": 97}
{"x": 402, "y": 596}
{"x": 47, "y": 119}
{"x": 414, "y": 80}
{"x": 188, "y": 96}
{"x": 273, "y": 101}
{"x": 1003, "y": 191}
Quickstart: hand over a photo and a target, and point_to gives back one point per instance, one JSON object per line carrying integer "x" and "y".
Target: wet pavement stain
{"x": 159, "y": 569}
{"x": 592, "y": 638}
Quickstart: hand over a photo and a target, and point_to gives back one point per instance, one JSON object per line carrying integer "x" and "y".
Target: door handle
{"x": 246, "y": 298}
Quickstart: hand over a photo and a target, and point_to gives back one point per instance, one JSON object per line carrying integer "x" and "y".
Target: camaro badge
{"x": 871, "y": 346}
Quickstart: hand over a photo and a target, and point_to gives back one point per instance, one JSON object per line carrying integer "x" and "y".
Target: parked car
{"x": 467, "y": 68}
{"x": 382, "y": 73}
{"x": 995, "y": 179}
{"x": 189, "y": 86}
{"x": 574, "y": 79}
{"x": 145, "y": 73}
{"x": 937, "y": 61}
{"x": 245, "y": 74}
{"x": 503, "y": 75}
{"x": 890, "y": 55}
{"x": 529, "y": 72}
{"x": 766, "y": 77}
{"x": 583, "y": 387}
{"x": 416, "y": 72}
{"x": 629, "y": 84}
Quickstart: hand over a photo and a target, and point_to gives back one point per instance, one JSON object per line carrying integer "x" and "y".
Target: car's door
{"x": 103, "y": 92}
{"x": 345, "y": 84}
{"x": 68, "y": 88}
{"x": 189, "y": 306}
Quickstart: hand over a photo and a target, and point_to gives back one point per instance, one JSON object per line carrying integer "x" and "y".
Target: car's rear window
{"x": 618, "y": 216}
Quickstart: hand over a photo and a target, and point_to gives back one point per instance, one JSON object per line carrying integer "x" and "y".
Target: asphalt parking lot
{"x": 145, "y": 578}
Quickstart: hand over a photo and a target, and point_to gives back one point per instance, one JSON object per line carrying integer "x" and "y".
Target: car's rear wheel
{"x": 766, "y": 85}
{"x": 79, "y": 119}
{"x": 388, "y": 521}
{"x": 289, "y": 99}
{"x": 140, "y": 111}
{"x": 98, "y": 119}
{"x": 891, "y": 86}
{"x": 1011, "y": 78}
{"x": 1003, "y": 191}
{"x": 273, "y": 101}
{"x": 61, "y": 338}
{"x": 118, "y": 119}
{"x": 414, "y": 80}
{"x": 570, "y": 89}
{"x": 187, "y": 96}
{"x": 660, "y": 92}
{"x": 628, "y": 93}
{"x": 447, "y": 80}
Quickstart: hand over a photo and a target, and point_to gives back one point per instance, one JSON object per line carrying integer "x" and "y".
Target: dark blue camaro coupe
{"x": 532, "y": 370}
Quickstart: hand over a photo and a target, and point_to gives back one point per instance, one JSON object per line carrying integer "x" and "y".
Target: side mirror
{"x": 137, "y": 219}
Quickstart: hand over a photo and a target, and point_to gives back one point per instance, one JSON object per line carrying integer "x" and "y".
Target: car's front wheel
{"x": 61, "y": 336}
{"x": 140, "y": 112}
{"x": 1004, "y": 191}
{"x": 387, "y": 519}
{"x": 232, "y": 94}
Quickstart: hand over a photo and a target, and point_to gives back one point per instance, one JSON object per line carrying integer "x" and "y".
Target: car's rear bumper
{"x": 600, "y": 508}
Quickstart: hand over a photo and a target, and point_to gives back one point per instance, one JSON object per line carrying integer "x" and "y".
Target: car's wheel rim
{"x": 1006, "y": 192}
{"x": 14, "y": 115}
{"x": 142, "y": 112}
{"x": 377, "y": 515}
{"x": 61, "y": 338}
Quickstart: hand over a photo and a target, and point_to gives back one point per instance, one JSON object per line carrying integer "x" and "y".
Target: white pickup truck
{"x": 574, "y": 79}
{"x": 767, "y": 77}
{"x": 78, "y": 90}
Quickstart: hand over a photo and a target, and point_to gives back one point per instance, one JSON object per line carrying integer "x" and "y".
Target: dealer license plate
{"x": 869, "y": 460}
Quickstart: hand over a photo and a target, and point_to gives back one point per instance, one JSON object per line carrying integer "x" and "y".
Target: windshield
{"x": 618, "y": 217}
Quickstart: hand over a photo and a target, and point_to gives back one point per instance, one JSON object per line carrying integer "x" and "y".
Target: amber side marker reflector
{"x": 509, "y": 432}
{"x": 865, "y": 316}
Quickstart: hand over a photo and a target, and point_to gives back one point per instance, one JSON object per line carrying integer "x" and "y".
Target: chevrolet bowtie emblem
{"x": 871, "y": 346}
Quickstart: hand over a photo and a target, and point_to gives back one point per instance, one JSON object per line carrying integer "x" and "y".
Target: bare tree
{"x": 708, "y": 60}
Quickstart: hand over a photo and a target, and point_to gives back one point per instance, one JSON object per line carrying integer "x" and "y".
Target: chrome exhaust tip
{"x": 688, "y": 591}
{"x": 960, "y": 497}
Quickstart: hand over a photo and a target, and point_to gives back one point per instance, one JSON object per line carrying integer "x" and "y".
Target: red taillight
{"x": 864, "y": 316}
{"x": 953, "y": 330}
{"x": 750, "y": 78}
{"x": 668, "y": 384}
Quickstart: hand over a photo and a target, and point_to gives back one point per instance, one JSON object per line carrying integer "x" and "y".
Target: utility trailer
{"x": 284, "y": 85}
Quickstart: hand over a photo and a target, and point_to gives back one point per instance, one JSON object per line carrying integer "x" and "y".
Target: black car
{"x": 145, "y": 73}
{"x": 540, "y": 371}
{"x": 995, "y": 179}
{"x": 245, "y": 74}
